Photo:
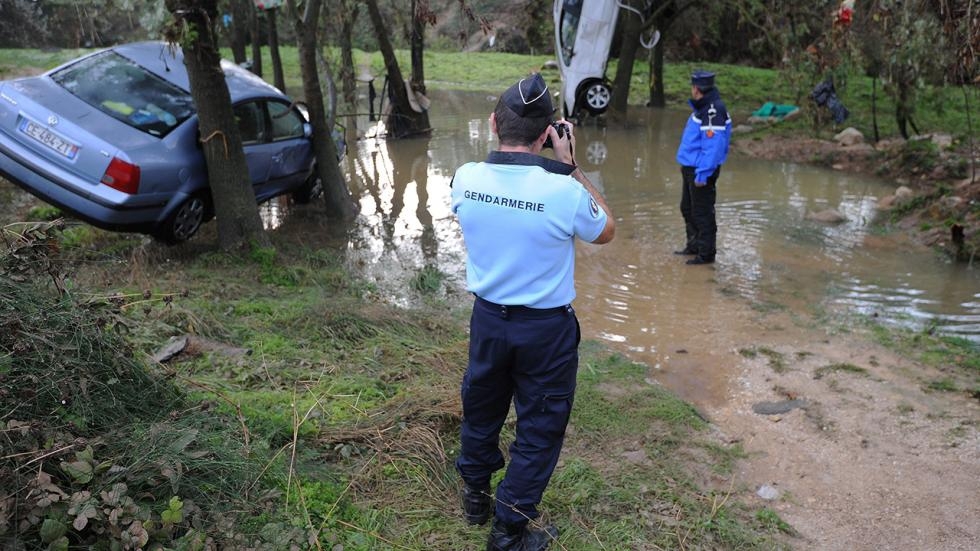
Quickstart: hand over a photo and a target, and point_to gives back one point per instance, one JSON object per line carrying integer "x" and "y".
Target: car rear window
{"x": 127, "y": 92}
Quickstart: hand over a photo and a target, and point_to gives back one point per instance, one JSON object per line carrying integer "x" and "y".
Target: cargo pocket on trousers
{"x": 557, "y": 408}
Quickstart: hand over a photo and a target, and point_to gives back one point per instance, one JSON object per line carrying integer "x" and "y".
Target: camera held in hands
{"x": 561, "y": 127}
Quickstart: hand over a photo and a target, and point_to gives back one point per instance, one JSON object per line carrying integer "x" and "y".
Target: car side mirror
{"x": 307, "y": 130}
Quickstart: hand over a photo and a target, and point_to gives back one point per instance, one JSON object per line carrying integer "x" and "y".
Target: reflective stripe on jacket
{"x": 704, "y": 143}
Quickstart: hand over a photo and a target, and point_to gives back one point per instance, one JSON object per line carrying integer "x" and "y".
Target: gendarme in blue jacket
{"x": 704, "y": 144}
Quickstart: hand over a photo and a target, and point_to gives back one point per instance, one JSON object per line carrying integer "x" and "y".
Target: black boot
{"x": 517, "y": 537}
{"x": 477, "y": 504}
{"x": 701, "y": 260}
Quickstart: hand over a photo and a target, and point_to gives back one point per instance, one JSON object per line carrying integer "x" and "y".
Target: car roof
{"x": 167, "y": 62}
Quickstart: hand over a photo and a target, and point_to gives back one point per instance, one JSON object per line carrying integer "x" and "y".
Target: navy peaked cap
{"x": 529, "y": 97}
{"x": 703, "y": 79}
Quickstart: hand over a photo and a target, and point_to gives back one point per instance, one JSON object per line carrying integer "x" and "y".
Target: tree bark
{"x": 278, "y": 79}
{"x": 231, "y": 188}
{"x": 658, "y": 96}
{"x": 348, "y": 79}
{"x": 630, "y": 42}
{"x": 253, "y": 18}
{"x": 239, "y": 30}
{"x": 417, "y": 48}
{"x": 874, "y": 108}
{"x": 337, "y": 195}
{"x": 403, "y": 121}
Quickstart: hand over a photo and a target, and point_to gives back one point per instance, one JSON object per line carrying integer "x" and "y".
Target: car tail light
{"x": 122, "y": 176}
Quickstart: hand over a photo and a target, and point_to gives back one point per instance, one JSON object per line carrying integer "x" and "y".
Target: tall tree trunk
{"x": 348, "y": 79}
{"x": 231, "y": 188}
{"x": 403, "y": 121}
{"x": 658, "y": 97}
{"x": 417, "y": 48}
{"x": 239, "y": 29}
{"x": 969, "y": 129}
{"x": 255, "y": 24}
{"x": 337, "y": 195}
{"x": 278, "y": 79}
{"x": 874, "y": 107}
{"x": 630, "y": 42}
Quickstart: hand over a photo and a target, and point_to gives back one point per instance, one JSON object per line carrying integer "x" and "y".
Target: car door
{"x": 294, "y": 151}
{"x": 254, "y": 129}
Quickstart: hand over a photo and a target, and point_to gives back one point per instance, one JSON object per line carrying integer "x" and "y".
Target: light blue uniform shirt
{"x": 519, "y": 225}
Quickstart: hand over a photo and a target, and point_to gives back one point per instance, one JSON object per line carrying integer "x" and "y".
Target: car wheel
{"x": 184, "y": 222}
{"x": 596, "y": 97}
{"x": 310, "y": 190}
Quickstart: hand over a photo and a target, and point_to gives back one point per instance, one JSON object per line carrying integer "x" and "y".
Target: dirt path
{"x": 872, "y": 461}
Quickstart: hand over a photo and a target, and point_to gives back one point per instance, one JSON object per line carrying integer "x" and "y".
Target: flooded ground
{"x": 872, "y": 459}
{"x": 634, "y": 293}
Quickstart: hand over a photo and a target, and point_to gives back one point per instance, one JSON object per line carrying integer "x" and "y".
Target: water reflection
{"x": 634, "y": 292}
{"x": 405, "y": 223}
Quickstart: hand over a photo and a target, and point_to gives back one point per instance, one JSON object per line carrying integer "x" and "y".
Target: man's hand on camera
{"x": 564, "y": 146}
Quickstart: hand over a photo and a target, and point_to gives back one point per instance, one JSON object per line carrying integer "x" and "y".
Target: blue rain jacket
{"x": 704, "y": 144}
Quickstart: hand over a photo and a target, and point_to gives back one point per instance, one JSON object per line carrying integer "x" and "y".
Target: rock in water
{"x": 829, "y": 216}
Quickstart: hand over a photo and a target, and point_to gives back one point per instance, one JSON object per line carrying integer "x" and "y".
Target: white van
{"x": 583, "y": 33}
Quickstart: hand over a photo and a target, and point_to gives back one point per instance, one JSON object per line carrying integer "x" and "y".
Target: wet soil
{"x": 873, "y": 459}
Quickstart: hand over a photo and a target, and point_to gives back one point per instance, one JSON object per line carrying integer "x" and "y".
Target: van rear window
{"x": 127, "y": 92}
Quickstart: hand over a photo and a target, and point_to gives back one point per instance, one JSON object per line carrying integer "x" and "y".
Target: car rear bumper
{"x": 85, "y": 206}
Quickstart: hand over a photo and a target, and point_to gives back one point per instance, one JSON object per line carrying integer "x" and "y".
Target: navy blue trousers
{"x": 698, "y": 210}
{"x": 530, "y": 357}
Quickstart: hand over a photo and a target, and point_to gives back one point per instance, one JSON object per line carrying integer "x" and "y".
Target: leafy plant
{"x": 428, "y": 280}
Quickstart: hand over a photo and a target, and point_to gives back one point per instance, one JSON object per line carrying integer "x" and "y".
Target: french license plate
{"x": 49, "y": 138}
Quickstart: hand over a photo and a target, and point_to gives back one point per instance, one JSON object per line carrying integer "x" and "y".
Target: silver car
{"x": 112, "y": 138}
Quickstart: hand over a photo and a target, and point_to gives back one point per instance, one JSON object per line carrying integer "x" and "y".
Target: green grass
{"x": 370, "y": 396}
{"x": 776, "y": 360}
{"x": 17, "y": 62}
{"x": 822, "y": 372}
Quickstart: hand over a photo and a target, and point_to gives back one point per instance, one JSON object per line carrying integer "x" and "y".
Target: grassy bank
{"x": 338, "y": 414}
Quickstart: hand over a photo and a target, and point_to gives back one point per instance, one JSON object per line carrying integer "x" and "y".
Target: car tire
{"x": 185, "y": 221}
{"x": 595, "y": 97}
{"x": 310, "y": 190}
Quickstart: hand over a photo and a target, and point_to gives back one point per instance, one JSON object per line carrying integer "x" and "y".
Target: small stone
{"x": 767, "y": 492}
{"x": 849, "y": 136}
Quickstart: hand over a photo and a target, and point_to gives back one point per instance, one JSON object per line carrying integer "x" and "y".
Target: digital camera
{"x": 561, "y": 127}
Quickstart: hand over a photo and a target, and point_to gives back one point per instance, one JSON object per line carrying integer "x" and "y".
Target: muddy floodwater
{"x": 634, "y": 293}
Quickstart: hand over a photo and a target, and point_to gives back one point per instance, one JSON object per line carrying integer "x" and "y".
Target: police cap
{"x": 529, "y": 97}
{"x": 703, "y": 79}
